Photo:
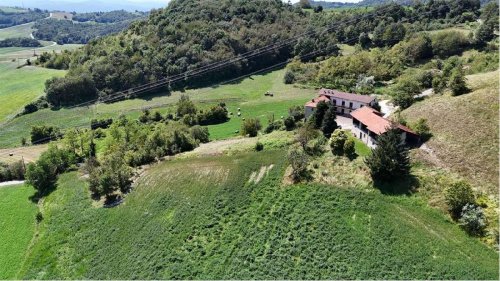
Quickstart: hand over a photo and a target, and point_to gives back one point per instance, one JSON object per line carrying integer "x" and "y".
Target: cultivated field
{"x": 230, "y": 217}
{"x": 248, "y": 95}
{"x": 17, "y": 227}
{"x": 19, "y": 87}
{"x": 465, "y": 130}
{"x": 22, "y": 30}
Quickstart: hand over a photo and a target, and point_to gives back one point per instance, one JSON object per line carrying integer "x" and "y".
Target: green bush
{"x": 299, "y": 160}
{"x": 200, "y": 133}
{"x": 259, "y": 146}
{"x": 289, "y": 77}
{"x": 185, "y": 106}
{"x": 349, "y": 148}
{"x": 337, "y": 141}
{"x": 42, "y": 174}
{"x": 422, "y": 128}
{"x": 44, "y": 134}
{"x": 457, "y": 195}
{"x": 449, "y": 43}
{"x": 473, "y": 220}
{"x": 289, "y": 123}
{"x": 250, "y": 127}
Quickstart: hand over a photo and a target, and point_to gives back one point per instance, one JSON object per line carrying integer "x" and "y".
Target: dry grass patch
{"x": 465, "y": 130}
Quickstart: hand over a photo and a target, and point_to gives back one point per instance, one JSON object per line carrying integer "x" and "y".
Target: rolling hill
{"x": 230, "y": 217}
{"x": 465, "y": 130}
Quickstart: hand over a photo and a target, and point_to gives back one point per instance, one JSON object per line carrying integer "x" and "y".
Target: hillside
{"x": 465, "y": 130}
{"x": 247, "y": 94}
{"x": 201, "y": 217}
{"x": 21, "y": 86}
{"x": 17, "y": 227}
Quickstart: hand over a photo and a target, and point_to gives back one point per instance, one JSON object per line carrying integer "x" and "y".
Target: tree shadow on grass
{"x": 35, "y": 198}
{"x": 398, "y": 186}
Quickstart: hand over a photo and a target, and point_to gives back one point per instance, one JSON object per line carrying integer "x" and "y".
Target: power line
{"x": 210, "y": 67}
{"x": 311, "y": 54}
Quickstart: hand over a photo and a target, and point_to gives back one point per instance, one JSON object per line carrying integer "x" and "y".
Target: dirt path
{"x": 220, "y": 146}
{"x": 29, "y": 153}
{"x": 9, "y": 183}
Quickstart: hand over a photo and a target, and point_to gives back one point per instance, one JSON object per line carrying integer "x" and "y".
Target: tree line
{"x": 8, "y": 19}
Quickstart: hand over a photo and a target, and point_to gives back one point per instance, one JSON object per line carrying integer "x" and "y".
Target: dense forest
{"x": 180, "y": 38}
{"x": 19, "y": 42}
{"x": 108, "y": 17}
{"x": 68, "y": 32}
{"x": 8, "y": 19}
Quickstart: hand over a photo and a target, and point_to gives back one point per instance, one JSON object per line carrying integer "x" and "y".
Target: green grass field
{"x": 12, "y": 10}
{"x": 229, "y": 217}
{"x": 21, "y": 86}
{"x": 247, "y": 95}
{"x": 17, "y": 226}
{"x": 22, "y": 30}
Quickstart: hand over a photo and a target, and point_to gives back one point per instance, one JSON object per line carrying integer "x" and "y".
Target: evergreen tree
{"x": 319, "y": 114}
{"x": 389, "y": 160}
{"x": 457, "y": 82}
{"x": 364, "y": 40}
{"x": 329, "y": 124}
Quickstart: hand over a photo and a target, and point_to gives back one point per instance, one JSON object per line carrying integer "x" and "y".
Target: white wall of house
{"x": 347, "y": 109}
{"x": 364, "y": 137}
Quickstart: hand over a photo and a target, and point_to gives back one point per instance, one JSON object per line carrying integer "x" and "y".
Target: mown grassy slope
{"x": 465, "y": 129}
{"x": 247, "y": 94}
{"x": 229, "y": 217}
{"x": 21, "y": 86}
{"x": 17, "y": 226}
{"x": 22, "y": 30}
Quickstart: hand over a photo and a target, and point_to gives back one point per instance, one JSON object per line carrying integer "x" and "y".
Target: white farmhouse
{"x": 368, "y": 125}
{"x": 344, "y": 103}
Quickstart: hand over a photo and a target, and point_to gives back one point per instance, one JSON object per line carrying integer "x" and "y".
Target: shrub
{"x": 289, "y": 123}
{"x": 259, "y": 146}
{"x": 200, "y": 133}
{"x": 473, "y": 220}
{"x": 12, "y": 171}
{"x": 145, "y": 116}
{"x": 289, "y": 77}
{"x": 250, "y": 127}
{"x": 185, "y": 106}
{"x": 457, "y": 82}
{"x": 337, "y": 142}
{"x": 70, "y": 90}
{"x": 457, "y": 195}
{"x": 42, "y": 174}
{"x": 389, "y": 160}
{"x": 297, "y": 112}
{"x": 306, "y": 133}
{"x": 43, "y": 134}
{"x": 216, "y": 115}
{"x": 273, "y": 126}
{"x": 422, "y": 129}
{"x": 349, "y": 148}
{"x": 448, "y": 43}
{"x": 100, "y": 123}
{"x": 298, "y": 160}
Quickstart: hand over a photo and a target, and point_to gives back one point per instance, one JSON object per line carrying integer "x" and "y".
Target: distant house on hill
{"x": 368, "y": 124}
{"x": 344, "y": 103}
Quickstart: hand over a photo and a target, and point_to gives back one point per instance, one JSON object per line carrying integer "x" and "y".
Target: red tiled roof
{"x": 406, "y": 129}
{"x": 346, "y": 96}
{"x": 375, "y": 122}
{"x": 314, "y": 102}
